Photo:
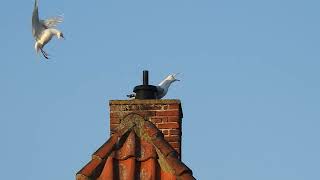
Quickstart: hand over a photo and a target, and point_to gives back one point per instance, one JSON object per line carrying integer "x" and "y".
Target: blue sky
{"x": 249, "y": 90}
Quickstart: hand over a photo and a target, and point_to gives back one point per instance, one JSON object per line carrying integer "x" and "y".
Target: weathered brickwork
{"x": 165, "y": 114}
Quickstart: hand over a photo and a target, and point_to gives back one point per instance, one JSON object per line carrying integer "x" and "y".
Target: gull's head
{"x": 60, "y": 35}
{"x": 172, "y": 77}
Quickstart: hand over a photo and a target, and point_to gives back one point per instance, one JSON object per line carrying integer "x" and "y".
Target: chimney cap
{"x": 145, "y": 91}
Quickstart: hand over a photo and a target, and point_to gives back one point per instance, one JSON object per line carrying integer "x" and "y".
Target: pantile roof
{"x": 137, "y": 150}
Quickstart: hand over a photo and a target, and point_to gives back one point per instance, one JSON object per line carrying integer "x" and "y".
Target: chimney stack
{"x": 165, "y": 114}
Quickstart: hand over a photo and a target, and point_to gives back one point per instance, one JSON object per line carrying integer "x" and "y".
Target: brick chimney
{"x": 165, "y": 114}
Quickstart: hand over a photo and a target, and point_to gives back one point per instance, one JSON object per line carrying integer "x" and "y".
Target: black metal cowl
{"x": 145, "y": 91}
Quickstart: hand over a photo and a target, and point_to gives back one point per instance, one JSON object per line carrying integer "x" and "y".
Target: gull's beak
{"x": 174, "y": 75}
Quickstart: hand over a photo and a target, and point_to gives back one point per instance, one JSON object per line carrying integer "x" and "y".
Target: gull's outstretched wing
{"x": 35, "y": 19}
{"x": 52, "y": 22}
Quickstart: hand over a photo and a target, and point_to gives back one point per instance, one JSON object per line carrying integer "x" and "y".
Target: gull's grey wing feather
{"x": 35, "y": 19}
{"x": 52, "y": 22}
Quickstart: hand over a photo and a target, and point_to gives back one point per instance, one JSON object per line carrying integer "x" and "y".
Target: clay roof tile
{"x": 106, "y": 148}
{"x": 151, "y": 130}
{"x": 178, "y": 166}
{"x": 91, "y": 170}
{"x": 164, "y": 147}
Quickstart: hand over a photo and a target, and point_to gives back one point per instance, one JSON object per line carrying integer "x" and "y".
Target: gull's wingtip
{"x": 35, "y": 3}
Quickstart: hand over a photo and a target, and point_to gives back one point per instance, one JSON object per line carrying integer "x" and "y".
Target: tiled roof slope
{"x": 137, "y": 150}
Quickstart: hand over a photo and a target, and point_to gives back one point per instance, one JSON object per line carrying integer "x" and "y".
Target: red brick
{"x": 116, "y": 108}
{"x": 125, "y": 108}
{"x": 121, "y": 114}
{"x": 113, "y": 115}
{"x": 174, "y": 106}
{"x": 114, "y": 120}
{"x": 113, "y": 108}
{"x": 116, "y": 114}
{"x": 146, "y": 113}
{"x": 174, "y": 132}
{"x": 169, "y": 125}
{"x": 157, "y": 120}
{"x": 168, "y": 113}
{"x": 165, "y": 131}
{"x": 173, "y": 138}
{"x": 165, "y": 107}
{"x": 130, "y": 107}
{"x": 151, "y": 107}
{"x": 173, "y": 119}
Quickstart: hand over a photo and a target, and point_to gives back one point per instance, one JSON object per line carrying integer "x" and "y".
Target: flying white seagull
{"x": 44, "y": 30}
{"x": 163, "y": 86}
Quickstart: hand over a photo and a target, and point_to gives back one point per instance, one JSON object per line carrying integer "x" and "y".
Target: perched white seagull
{"x": 44, "y": 30}
{"x": 163, "y": 86}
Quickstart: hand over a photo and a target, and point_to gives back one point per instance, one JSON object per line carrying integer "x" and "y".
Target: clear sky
{"x": 250, "y": 83}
